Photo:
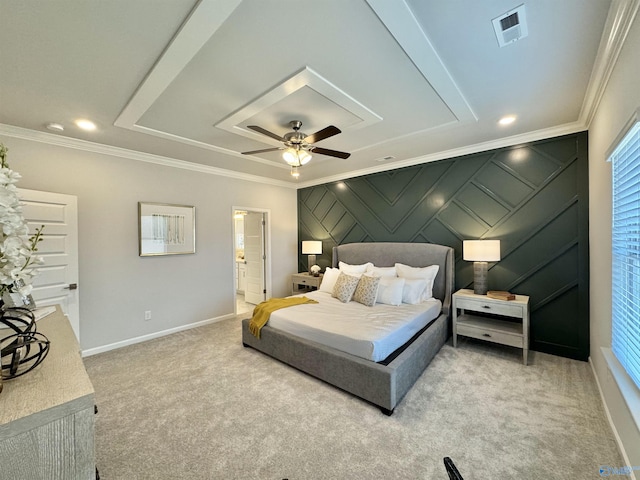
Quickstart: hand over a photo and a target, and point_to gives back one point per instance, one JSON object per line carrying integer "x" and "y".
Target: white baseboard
{"x": 625, "y": 457}
{"x": 151, "y": 336}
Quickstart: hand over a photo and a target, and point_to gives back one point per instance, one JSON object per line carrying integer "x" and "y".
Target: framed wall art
{"x": 165, "y": 229}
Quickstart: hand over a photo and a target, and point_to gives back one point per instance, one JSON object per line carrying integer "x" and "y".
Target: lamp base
{"x": 480, "y": 278}
{"x": 312, "y": 262}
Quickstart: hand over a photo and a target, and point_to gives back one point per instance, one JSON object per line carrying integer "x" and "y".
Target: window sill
{"x": 628, "y": 389}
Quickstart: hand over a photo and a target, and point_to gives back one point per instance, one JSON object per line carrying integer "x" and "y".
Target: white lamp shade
{"x": 311, "y": 247}
{"x": 481, "y": 250}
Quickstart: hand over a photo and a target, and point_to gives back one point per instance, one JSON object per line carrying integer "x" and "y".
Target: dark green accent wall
{"x": 533, "y": 198}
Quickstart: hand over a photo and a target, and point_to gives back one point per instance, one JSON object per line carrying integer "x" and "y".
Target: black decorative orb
{"x": 22, "y": 348}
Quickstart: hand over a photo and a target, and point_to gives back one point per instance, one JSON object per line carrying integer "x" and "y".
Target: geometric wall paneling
{"x": 532, "y": 197}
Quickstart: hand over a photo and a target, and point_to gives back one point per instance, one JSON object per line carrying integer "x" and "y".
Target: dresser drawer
{"x": 491, "y": 335}
{"x": 490, "y": 307}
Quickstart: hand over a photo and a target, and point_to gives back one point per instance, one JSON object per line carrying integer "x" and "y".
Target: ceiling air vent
{"x": 511, "y": 26}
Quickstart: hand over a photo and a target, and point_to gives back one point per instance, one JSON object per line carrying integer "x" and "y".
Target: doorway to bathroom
{"x": 251, "y": 256}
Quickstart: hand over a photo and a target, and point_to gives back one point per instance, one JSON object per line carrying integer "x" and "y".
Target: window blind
{"x": 625, "y": 161}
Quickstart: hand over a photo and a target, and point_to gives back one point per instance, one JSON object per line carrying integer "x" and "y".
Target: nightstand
{"x": 309, "y": 282}
{"x": 503, "y": 321}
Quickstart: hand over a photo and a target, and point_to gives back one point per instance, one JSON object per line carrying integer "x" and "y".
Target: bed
{"x": 383, "y": 383}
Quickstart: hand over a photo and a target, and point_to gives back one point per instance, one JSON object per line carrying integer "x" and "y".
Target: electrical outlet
{"x": 147, "y": 315}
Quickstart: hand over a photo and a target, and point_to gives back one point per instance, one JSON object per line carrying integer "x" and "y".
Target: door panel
{"x": 59, "y": 248}
{"x": 254, "y": 257}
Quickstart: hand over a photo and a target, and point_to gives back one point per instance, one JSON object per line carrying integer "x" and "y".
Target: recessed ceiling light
{"x": 55, "y": 127}
{"x": 508, "y": 120}
{"x": 86, "y": 124}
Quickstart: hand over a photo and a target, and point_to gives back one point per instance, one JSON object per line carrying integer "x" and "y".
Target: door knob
{"x": 71, "y": 286}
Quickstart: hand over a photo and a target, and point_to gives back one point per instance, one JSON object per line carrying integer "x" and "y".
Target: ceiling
{"x": 177, "y": 82}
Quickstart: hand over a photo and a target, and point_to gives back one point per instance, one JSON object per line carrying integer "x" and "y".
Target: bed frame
{"x": 379, "y": 384}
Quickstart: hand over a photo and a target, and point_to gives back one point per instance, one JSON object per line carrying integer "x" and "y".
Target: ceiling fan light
{"x": 304, "y": 157}
{"x": 289, "y": 156}
{"x": 295, "y": 171}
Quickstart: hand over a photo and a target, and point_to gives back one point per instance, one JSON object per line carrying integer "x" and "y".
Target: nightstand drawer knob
{"x": 487, "y": 307}
{"x": 486, "y": 335}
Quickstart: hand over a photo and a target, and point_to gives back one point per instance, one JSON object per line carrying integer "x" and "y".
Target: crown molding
{"x": 84, "y": 145}
{"x": 528, "y": 137}
{"x": 619, "y": 20}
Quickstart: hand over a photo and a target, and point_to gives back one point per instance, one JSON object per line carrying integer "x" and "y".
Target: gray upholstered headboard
{"x": 387, "y": 254}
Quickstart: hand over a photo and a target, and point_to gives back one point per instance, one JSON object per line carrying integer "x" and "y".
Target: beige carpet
{"x": 197, "y": 405}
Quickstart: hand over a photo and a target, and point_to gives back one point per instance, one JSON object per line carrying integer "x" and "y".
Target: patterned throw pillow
{"x": 367, "y": 290}
{"x": 344, "y": 287}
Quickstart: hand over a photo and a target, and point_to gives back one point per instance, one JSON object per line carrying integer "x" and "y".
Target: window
{"x": 625, "y": 161}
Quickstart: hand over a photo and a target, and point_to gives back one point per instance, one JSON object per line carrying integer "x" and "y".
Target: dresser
{"x": 47, "y": 415}
{"x": 499, "y": 321}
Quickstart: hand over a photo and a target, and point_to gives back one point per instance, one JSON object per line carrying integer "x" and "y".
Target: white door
{"x": 57, "y": 282}
{"x": 254, "y": 256}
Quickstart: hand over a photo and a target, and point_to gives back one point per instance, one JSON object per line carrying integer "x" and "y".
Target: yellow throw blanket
{"x": 263, "y": 311}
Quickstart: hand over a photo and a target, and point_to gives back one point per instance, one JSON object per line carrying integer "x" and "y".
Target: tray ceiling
{"x": 412, "y": 80}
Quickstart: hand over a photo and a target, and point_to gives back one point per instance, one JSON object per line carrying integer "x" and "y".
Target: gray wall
{"x": 116, "y": 285}
{"x": 620, "y": 100}
{"x": 532, "y": 197}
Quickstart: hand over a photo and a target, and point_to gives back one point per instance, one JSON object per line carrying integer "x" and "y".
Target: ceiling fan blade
{"x": 326, "y": 132}
{"x": 261, "y": 151}
{"x": 331, "y": 153}
{"x": 261, "y": 130}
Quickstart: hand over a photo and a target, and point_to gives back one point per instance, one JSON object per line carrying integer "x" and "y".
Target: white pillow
{"x": 425, "y": 273}
{"x": 390, "y": 290}
{"x": 329, "y": 280}
{"x": 355, "y": 270}
{"x": 382, "y": 271}
{"x": 413, "y": 290}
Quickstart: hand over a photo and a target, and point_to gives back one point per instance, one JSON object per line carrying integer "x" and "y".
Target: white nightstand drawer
{"x": 503, "y": 321}
{"x": 490, "y": 307}
{"x": 302, "y": 282}
{"x": 491, "y": 335}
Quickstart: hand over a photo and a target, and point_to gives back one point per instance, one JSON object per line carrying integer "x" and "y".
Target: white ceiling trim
{"x": 405, "y": 28}
{"x": 84, "y": 145}
{"x": 198, "y": 28}
{"x": 619, "y": 20}
{"x": 534, "y": 136}
{"x": 306, "y": 77}
{"x": 207, "y": 146}
{"x": 68, "y": 142}
{"x": 203, "y": 21}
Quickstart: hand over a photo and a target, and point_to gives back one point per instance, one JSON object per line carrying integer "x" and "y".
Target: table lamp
{"x": 311, "y": 248}
{"x": 480, "y": 252}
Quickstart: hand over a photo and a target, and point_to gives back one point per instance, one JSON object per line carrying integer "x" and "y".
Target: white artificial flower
{"x": 8, "y": 176}
{"x": 17, "y": 248}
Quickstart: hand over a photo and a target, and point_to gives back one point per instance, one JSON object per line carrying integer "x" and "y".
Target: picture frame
{"x": 166, "y": 229}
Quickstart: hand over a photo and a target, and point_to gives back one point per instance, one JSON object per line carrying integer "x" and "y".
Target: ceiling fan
{"x": 298, "y": 146}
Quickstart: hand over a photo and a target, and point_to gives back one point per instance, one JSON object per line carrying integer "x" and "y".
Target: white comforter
{"x": 372, "y": 333}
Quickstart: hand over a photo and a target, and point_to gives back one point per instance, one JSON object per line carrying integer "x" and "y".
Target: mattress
{"x": 372, "y": 333}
